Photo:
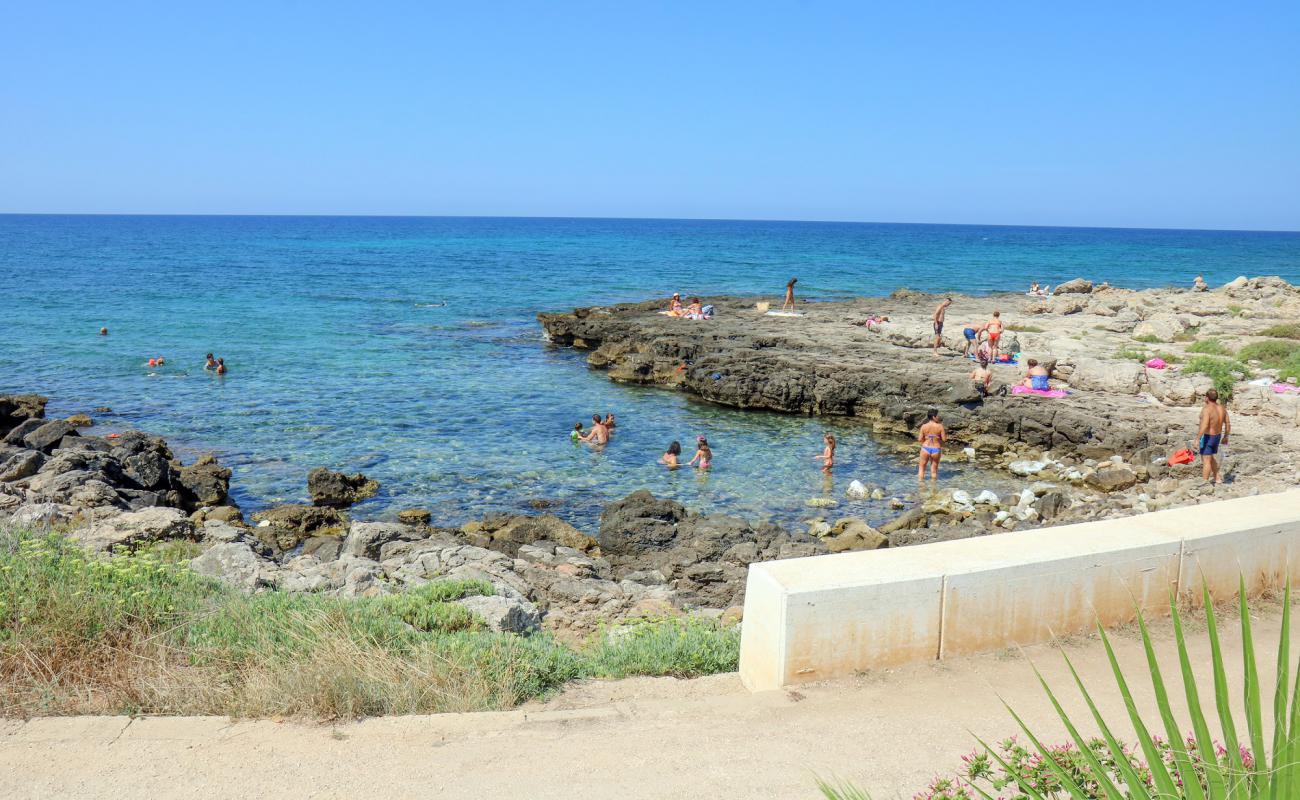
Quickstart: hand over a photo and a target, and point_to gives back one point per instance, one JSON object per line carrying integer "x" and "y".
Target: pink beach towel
{"x": 1157, "y": 363}
{"x": 1285, "y": 388}
{"x": 1053, "y": 393}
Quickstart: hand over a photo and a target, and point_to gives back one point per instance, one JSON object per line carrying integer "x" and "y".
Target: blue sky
{"x": 1126, "y": 114}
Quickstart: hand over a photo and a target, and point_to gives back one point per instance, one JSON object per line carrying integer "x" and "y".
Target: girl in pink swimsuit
{"x": 703, "y": 454}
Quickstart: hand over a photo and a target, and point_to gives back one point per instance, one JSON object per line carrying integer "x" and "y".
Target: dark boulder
{"x": 48, "y": 436}
{"x": 18, "y": 408}
{"x": 204, "y": 483}
{"x": 22, "y": 465}
{"x": 336, "y": 490}
{"x": 19, "y": 432}
{"x": 147, "y": 470}
{"x": 639, "y": 522}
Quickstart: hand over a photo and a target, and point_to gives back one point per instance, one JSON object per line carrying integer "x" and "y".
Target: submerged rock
{"x": 337, "y": 490}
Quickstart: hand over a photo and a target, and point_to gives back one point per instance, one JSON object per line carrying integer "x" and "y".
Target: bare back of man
{"x": 1213, "y": 430}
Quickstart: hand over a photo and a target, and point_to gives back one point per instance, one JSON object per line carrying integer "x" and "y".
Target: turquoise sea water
{"x": 407, "y": 347}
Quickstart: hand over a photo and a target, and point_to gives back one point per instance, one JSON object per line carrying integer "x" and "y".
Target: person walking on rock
{"x": 1213, "y": 430}
{"x": 788, "y": 303}
{"x": 939, "y": 314}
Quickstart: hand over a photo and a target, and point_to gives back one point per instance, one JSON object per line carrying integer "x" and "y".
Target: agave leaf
{"x": 1136, "y": 786}
{"x": 1280, "y": 728}
{"x": 841, "y": 790}
{"x": 1164, "y": 784}
{"x": 1112, "y": 791}
{"x": 1215, "y": 784}
{"x": 1236, "y": 785}
{"x": 1186, "y": 773}
{"x": 1251, "y": 691}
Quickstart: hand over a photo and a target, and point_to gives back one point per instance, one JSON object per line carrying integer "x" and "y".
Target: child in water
{"x": 221, "y": 366}
{"x": 671, "y": 458}
{"x": 703, "y": 454}
{"x": 576, "y": 435}
{"x": 827, "y": 456}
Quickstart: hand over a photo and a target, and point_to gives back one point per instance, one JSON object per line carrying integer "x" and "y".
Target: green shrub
{"x": 1236, "y": 310}
{"x": 1132, "y": 354}
{"x": 1148, "y": 338}
{"x": 136, "y": 634}
{"x": 1225, "y": 372}
{"x": 1018, "y": 328}
{"x": 1286, "y": 330}
{"x": 1211, "y": 347}
{"x": 1278, "y": 354}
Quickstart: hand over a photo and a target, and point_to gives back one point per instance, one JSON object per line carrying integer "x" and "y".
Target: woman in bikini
{"x": 931, "y": 437}
{"x": 788, "y": 303}
{"x": 675, "y": 305}
{"x": 672, "y": 457}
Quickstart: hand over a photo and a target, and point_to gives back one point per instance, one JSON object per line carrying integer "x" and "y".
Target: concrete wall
{"x": 808, "y": 619}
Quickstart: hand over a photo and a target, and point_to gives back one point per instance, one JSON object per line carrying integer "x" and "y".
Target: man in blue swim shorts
{"x": 970, "y": 333}
{"x": 1213, "y": 430}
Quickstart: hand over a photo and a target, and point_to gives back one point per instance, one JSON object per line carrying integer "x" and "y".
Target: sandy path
{"x": 642, "y": 738}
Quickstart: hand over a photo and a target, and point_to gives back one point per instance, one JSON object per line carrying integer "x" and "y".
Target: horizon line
{"x": 333, "y": 215}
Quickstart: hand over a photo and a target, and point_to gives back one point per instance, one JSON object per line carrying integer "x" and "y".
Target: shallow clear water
{"x": 407, "y": 347}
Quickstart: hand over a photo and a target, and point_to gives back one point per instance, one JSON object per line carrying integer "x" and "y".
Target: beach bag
{"x": 762, "y": 306}
{"x": 707, "y": 312}
{"x": 1184, "y": 456}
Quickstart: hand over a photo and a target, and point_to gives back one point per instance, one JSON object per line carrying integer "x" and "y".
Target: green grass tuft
{"x": 138, "y": 634}
{"x": 1286, "y": 330}
{"x": 1210, "y": 347}
{"x": 1225, "y": 372}
{"x": 1148, "y": 338}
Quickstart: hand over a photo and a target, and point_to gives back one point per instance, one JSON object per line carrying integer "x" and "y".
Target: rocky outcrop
{"x": 233, "y": 562}
{"x": 337, "y": 490}
{"x": 16, "y": 409}
{"x": 132, "y": 529}
{"x": 285, "y": 527}
{"x": 1076, "y": 286}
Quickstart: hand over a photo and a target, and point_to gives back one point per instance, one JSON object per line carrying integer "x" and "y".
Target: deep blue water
{"x": 407, "y": 347}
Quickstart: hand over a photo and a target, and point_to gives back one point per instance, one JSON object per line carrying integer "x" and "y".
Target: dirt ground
{"x": 642, "y": 738}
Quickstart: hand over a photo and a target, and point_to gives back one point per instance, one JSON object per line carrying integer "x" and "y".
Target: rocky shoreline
{"x": 1100, "y": 452}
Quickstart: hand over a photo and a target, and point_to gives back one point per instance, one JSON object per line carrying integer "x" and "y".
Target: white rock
{"x": 504, "y": 614}
{"x": 986, "y": 498}
{"x": 231, "y": 562}
{"x": 266, "y": 523}
{"x": 1238, "y": 282}
{"x": 961, "y": 497}
{"x": 821, "y": 502}
{"x": 1026, "y": 468}
{"x": 1040, "y": 488}
{"x": 1027, "y": 496}
{"x": 969, "y": 452}
{"x": 857, "y": 490}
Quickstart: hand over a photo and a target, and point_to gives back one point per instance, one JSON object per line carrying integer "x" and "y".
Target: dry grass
{"x": 134, "y": 634}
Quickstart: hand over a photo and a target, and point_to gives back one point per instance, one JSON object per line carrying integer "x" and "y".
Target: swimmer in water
{"x": 103, "y": 331}
{"x": 672, "y": 456}
{"x": 609, "y": 420}
{"x": 211, "y": 363}
{"x": 598, "y": 434}
{"x": 576, "y": 435}
{"x": 703, "y": 454}
{"x": 827, "y": 456}
{"x": 221, "y": 366}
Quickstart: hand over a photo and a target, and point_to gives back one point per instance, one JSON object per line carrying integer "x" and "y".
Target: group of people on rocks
{"x": 696, "y": 310}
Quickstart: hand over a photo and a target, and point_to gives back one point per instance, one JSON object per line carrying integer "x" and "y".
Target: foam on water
{"x": 407, "y": 347}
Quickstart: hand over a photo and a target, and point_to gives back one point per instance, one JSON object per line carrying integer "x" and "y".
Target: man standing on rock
{"x": 1213, "y": 430}
{"x": 938, "y": 323}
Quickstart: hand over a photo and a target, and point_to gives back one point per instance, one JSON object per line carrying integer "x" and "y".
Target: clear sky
{"x": 1161, "y": 114}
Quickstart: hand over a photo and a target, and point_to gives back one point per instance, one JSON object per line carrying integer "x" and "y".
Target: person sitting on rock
{"x": 675, "y": 305}
{"x": 695, "y": 310}
{"x": 982, "y": 377}
{"x": 1036, "y": 377}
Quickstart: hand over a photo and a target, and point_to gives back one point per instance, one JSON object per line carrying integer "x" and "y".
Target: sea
{"x": 407, "y": 348}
